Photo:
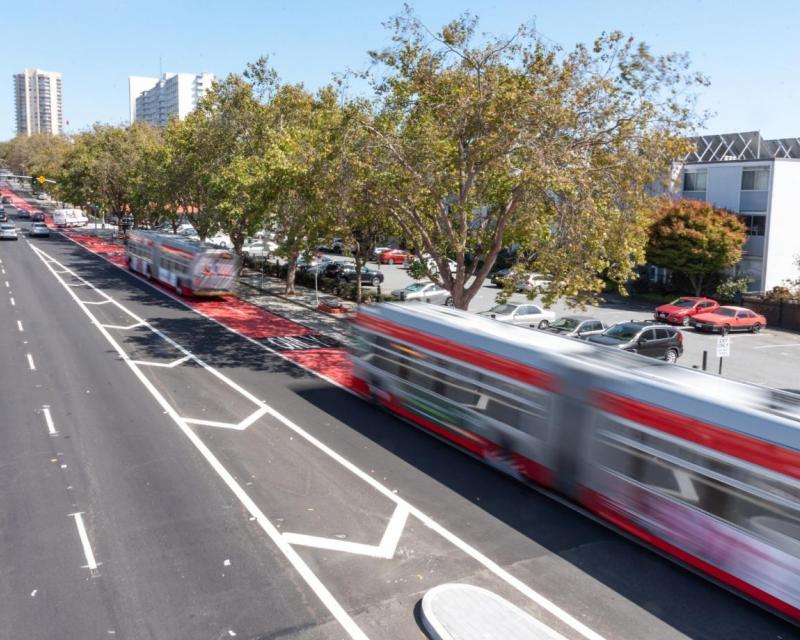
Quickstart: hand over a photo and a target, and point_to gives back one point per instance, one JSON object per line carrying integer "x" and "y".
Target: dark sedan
{"x": 576, "y": 326}
{"x": 346, "y": 271}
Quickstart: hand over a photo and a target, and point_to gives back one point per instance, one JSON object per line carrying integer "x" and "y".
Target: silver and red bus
{"x": 705, "y": 469}
{"x": 189, "y": 266}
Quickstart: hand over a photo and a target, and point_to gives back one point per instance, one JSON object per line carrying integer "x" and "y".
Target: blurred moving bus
{"x": 191, "y": 267}
{"x": 706, "y": 470}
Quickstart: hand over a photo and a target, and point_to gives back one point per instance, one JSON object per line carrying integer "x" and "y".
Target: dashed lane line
{"x": 91, "y": 562}
{"x": 277, "y": 537}
{"x": 48, "y": 419}
{"x": 31, "y": 365}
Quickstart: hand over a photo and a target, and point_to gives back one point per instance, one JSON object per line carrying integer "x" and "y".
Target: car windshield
{"x": 503, "y": 308}
{"x": 623, "y": 331}
{"x": 565, "y": 323}
{"x": 683, "y": 303}
{"x": 417, "y": 286}
{"x": 726, "y": 311}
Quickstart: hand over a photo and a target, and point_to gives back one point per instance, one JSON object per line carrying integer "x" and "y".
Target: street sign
{"x": 41, "y": 179}
{"x": 723, "y": 346}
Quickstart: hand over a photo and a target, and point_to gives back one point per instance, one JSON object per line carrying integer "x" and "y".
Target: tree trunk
{"x": 697, "y": 282}
{"x": 291, "y": 265}
{"x": 359, "y": 264}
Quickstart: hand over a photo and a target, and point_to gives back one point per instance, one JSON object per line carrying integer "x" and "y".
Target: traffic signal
{"x": 41, "y": 179}
{"x": 33, "y": 181}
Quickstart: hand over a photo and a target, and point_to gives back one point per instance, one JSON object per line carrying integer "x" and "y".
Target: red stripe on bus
{"x": 759, "y": 452}
{"x": 480, "y": 359}
{"x": 599, "y": 504}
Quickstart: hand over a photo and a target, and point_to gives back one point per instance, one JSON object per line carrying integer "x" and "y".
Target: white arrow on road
{"x": 385, "y": 549}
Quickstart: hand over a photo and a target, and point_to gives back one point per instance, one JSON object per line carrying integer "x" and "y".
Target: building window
{"x": 755, "y": 179}
{"x": 756, "y": 225}
{"x": 695, "y": 180}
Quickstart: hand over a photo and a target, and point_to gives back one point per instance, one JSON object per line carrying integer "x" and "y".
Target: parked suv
{"x": 643, "y": 337}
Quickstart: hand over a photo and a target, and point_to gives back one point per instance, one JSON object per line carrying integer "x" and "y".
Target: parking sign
{"x": 723, "y": 346}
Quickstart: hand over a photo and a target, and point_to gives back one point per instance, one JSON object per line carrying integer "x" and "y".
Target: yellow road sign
{"x": 40, "y": 179}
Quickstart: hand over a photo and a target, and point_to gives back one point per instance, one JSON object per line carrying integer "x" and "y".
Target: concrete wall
{"x": 783, "y": 224}
{"x": 724, "y": 183}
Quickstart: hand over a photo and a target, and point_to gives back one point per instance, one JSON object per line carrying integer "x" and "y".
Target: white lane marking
{"x": 778, "y": 346}
{"x": 19, "y": 325}
{"x": 91, "y": 563}
{"x": 30, "y": 362}
{"x": 462, "y": 545}
{"x": 33, "y": 593}
{"x": 100, "y": 302}
{"x": 386, "y": 548}
{"x": 7, "y": 284}
{"x": 123, "y": 327}
{"x": 266, "y": 525}
{"x": 51, "y": 428}
{"x": 13, "y": 304}
{"x": 167, "y": 365}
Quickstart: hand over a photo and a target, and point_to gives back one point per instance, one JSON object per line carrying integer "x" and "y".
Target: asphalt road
{"x": 318, "y": 517}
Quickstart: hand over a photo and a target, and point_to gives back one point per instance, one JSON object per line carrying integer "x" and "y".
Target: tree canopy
{"x": 696, "y": 239}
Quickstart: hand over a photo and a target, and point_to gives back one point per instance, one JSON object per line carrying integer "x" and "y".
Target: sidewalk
{"x": 268, "y": 293}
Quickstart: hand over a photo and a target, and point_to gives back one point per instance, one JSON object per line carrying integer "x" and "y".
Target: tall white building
{"x": 38, "y": 102}
{"x": 759, "y": 180}
{"x": 156, "y": 100}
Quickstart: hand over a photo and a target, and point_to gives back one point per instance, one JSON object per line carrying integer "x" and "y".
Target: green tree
{"x": 696, "y": 239}
{"x": 35, "y": 155}
{"x": 507, "y": 141}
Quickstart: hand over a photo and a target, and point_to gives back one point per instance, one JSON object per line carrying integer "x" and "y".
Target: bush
{"x": 731, "y": 290}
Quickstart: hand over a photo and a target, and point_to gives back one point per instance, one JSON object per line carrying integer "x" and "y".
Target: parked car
{"x": 500, "y": 277}
{"x": 394, "y": 256}
{"x": 577, "y": 326}
{"x": 6, "y": 200}
{"x": 2, "y": 209}
{"x": 39, "y": 229}
{"x": 424, "y": 292}
{"x": 37, "y": 216}
{"x": 260, "y": 249}
{"x": 645, "y": 338}
{"x": 346, "y": 271}
{"x": 8, "y": 231}
{"x": 3, "y": 216}
{"x": 305, "y": 265}
{"x": 725, "y": 319}
{"x": 680, "y": 311}
{"x": 433, "y": 268}
{"x": 23, "y": 214}
{"x": 531, "y": 282}
{"x": 525, "y": 314}
{"x": 377, "y": 251}
{"x": 42, "y": 196}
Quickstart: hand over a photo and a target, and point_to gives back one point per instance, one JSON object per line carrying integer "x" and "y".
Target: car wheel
{"x": 685, "y": 321}
{"x": 671, "y": 356}
{"x": 544, "y": 324}
{"x": 449, "y": 301}
{"x": 756, "y": 327}
{"x": 376, "y": 281}
{"x": 726, "y": 329}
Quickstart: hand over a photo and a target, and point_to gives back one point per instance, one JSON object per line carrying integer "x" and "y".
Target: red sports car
{"x": 725, "y": 319}
{"x": 680, "y": 311}
{"x": 393, "y": 256}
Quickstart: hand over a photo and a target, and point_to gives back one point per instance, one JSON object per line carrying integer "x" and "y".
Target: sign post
{"x": 723, "y": 349}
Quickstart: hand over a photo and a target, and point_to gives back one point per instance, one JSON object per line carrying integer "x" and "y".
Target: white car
{"x": 8, "y": 231}
{"x": 259, "y": 249}
{"x": 521, "y": 314}
{"x": 531, "y": 282}
{"x": 424, "y": 292}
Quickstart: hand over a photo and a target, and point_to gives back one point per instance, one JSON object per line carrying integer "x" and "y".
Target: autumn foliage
{"x": 696, "y": 239}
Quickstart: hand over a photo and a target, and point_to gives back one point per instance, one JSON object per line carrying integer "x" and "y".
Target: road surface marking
{"x": 91, "y": 563}
{"x": 30, "y": 362}
{"x": 267, "y": 526}
{"x": 13, "y": 304}
{"x": 386, "y": 548}
{"x": 167, "y": 365}
{"x": 51, "y": 428}
{"x": 7, "y": 284}
{"x": 778, "y": 346}
{"x": 19, "y": 325}
{"x": 121, "y": 327}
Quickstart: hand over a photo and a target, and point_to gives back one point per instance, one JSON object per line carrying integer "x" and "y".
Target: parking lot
{"x": 771, "y": 358}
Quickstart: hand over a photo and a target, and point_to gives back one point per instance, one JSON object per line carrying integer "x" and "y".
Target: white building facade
{"x": 760, "y": 181}
{"x": 38, "y": 105}
{"x": 173, "y": 95}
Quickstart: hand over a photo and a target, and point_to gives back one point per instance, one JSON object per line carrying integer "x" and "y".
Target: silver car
{"x": 8, "y": 231}
{"x": 577, "y": 326}
{"x": 424, "y": 292}
{"x": 524, "y": 314}
{"x": 39, "y": 229}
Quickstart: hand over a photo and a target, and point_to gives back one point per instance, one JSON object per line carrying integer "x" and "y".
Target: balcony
{"x": 754, "y": 247}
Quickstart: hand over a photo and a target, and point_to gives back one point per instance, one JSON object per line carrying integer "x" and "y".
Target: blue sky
{"x": 750, "y": 50}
